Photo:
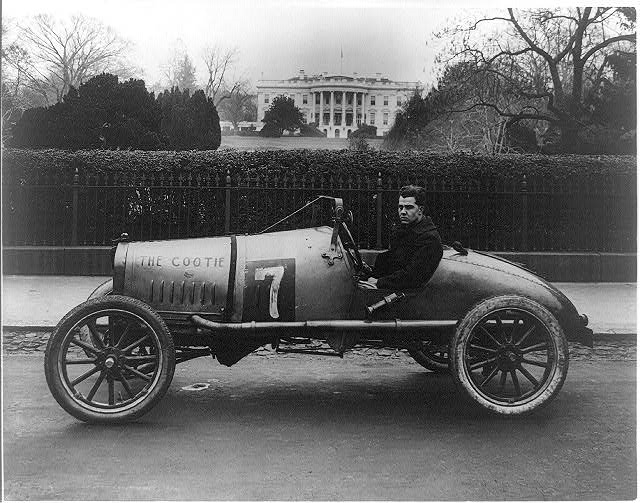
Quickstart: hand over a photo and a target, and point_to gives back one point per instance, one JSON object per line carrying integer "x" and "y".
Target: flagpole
{"x": 341, "y": 56}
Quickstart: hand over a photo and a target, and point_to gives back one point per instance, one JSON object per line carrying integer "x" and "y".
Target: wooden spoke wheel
{"x": 110, "y": 359}
{"x": 509, "y": 355}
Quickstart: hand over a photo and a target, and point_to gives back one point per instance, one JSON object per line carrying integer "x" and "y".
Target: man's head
{"x": 411, "y": 204}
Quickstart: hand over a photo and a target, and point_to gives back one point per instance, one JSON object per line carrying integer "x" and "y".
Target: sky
{"x": 274, "y": 39}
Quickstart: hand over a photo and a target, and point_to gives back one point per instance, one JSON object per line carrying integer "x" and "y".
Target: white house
{"x": 338, "y": 104}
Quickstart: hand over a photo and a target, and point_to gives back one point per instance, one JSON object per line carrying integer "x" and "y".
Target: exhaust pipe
{"x": 260, "y": 327}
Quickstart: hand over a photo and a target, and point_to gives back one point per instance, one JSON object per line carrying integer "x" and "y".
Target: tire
{"x": 432, "y": 357}
{"x": 123, "y": 371}
{"x": 509, "y": 335}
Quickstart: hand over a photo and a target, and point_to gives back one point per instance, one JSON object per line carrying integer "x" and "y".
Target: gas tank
{"x": 280, "y": 276}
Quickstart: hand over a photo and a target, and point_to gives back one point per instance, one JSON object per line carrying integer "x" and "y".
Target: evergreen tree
{"x": 186, "y": 75}
{"x": 189, "y": 121}
{"x": 282, "y": 115}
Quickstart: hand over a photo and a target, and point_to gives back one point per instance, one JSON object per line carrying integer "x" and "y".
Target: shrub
{"x": 365, "y": 131}
{"x": 105, "y": 113}
{"x": 311, "y": 130}
{"x": 358, "y": 143}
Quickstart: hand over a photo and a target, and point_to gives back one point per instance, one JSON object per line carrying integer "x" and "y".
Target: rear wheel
{"x": 121, "y": 372}
{"x": 432, "y": 356}
{"x": 509, "y": 354}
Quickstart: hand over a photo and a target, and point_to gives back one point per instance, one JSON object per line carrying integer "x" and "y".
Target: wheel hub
{"x": 112, "y": 358}
{"x": 509, "y": 359}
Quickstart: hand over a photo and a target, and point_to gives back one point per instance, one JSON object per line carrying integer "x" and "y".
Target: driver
{"x": 415, "y": 249}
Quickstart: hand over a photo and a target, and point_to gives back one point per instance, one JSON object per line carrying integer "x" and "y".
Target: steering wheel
{"x": 351, "y": 247}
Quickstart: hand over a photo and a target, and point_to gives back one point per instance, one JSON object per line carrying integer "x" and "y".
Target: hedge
{"x": 31, "y": 165}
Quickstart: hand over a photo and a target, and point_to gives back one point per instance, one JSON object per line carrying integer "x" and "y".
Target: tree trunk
{"x": 569, "y": 139}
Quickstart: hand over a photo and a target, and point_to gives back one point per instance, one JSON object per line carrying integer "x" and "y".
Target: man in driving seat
{"x": 415, "y": 249}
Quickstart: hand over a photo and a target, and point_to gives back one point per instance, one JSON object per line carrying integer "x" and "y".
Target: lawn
{"x": 287, "y": 143}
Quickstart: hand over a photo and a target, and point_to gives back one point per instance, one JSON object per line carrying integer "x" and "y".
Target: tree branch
{"x": 626, "y": 38}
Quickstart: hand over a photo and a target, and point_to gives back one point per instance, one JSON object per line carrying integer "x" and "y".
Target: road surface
{"x": 312, "y": 428}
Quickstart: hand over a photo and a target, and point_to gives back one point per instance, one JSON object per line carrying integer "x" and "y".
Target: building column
{"x": 364, "y": 106}
{"x": 354, "y": 117}
{"x": 321, "y": 120}
{"x": 331, "y": 109}
{"x": 343, "y": 115}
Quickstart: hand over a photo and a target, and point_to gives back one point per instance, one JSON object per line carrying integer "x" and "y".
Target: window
{"x": 304, "y": 99}
{"x": 386, "y": 100}
{"x": 338, "y": 98}
{"x": 372, "y": 118}
{"x": 385, "y": 119}
{"x": 359, "y": 100}
{"x": 399, "y": 101}
{"x": 326, "y": 98}
{"x": 317, "y": 99}
{"x": 266, "y": 98}
{"x": 373, "y": 99}
{"x": 325, "y": 118}
{"x": 337, "y": 118}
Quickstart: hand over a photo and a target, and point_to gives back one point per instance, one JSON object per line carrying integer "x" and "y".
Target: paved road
{"x": 304, "y": 427}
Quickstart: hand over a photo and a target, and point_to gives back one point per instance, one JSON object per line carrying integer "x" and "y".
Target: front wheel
{"x": 105, "y": 288}
{"x": 509, "y": 354}
{"x": 124, "y": 368}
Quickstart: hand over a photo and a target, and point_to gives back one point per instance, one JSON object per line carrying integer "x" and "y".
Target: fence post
{"x": 379, "y": 212}
{"x": 524, "y": 200}
{"x": 227, "y": 204}
{"x": 74, "y": 208}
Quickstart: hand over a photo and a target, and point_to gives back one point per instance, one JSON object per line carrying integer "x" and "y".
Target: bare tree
{"x": 219, "y": 62}
{"x": 540, "y": 63}
{"x": 67, "y": 53}
{"x": 20, "y": 87}
{"x": 239, "y": 104}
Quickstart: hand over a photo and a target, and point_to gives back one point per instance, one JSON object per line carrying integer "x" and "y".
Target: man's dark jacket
{"x": 414, "y": 255}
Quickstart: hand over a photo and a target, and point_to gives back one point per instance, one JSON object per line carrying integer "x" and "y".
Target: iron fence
{"x": 487, "y": 214}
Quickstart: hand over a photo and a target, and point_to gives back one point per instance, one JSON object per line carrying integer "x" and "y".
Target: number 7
{"x": 276, "y": 273}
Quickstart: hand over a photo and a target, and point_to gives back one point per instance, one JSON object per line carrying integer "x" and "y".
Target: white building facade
{"x": 338, "y": 104}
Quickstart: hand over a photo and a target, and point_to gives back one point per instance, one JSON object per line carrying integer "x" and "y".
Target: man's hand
{"x": 373, "y": 281}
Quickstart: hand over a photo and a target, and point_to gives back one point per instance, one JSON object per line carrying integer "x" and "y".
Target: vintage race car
{"x": 499, "y": 329}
